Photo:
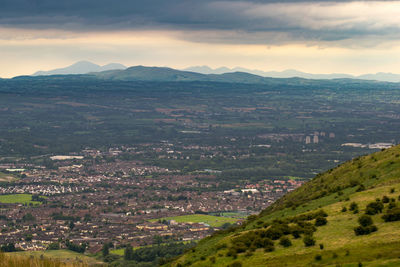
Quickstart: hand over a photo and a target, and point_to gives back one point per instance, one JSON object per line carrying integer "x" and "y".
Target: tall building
{"x": 315, "y": 139}
{"x": 308, "y": 140}
{"x": 331, "y": 135}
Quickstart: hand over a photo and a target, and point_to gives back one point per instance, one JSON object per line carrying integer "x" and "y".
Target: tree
{"x": 71, "y": 225}
{"x": 128, "y": 253}
{"x": 105, "y": 250}
{"x": 28, "y": 217}
{"x": 10, "y": 247}
{"x": 54, "y": 246}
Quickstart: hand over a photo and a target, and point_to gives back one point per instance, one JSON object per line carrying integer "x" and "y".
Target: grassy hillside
{"x": 45, "y": 259}
{"x": 214, "y": 221}
{"x": 60, "y": 257}
{"x": 348, "y": 216}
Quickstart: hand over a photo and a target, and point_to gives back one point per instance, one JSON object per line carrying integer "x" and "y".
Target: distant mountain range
{"x": 115, "y": 71}
{"x": 81, "y": 67}
{"x": 141, "y": 73}
{"x": 380, "y": 76}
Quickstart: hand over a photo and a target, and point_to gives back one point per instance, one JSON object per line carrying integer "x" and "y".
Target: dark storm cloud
{"x": 257, "y": 21}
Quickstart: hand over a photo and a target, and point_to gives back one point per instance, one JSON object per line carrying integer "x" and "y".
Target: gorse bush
{"x": 365, "y": 230}
{"x": 385, "y": 199}
{"x": 365, "y": 220}
{"x": 353, "y": 206}
{"x": 309, "y": 241}
{"x": 319, "y": 221}
{"x": 374, "y": 207}
{"x": 285, "y": 242}
{"x": 392, "y": 215}
{"x": 251, "y": 240}
{"x": 366, "y": 226}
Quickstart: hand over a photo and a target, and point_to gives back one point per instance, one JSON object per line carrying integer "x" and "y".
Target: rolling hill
{"x": 347, "y": 216}
{"x": 290, "y": 73}
{"x": 81, "y": 67}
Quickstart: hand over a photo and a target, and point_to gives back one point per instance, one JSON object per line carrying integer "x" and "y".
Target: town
{"x": 97, "y": 198}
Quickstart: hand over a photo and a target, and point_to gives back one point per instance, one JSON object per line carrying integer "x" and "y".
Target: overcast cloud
{"x": 261, "y": 22}
{"x": 354, "y": 37}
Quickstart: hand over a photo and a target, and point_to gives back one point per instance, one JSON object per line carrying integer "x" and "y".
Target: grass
{"x": 18, "y": 198}
{"x": 61, "y": 257}
{"x": 337, "y": 236}
{"x": 379, "y": 173}
{"x": 6, "y": 177}
{"x": 121, "y": 251}
{"x": 213, "y": 221}
{"x": 232, "y": 214}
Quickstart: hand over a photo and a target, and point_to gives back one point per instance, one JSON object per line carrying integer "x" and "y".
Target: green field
{"x": 232, "y": 214}
{"x": 6, "y": 177}
{"x": 121, "y": 251}
{"x": 65, "y": 256}
{"x": 18, "y": 198}
{"x": 213, "y": 221}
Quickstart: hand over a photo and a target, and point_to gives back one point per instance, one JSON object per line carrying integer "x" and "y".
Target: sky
{"x": 353, "y": 37}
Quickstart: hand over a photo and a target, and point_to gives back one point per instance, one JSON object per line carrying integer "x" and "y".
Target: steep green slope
{"x": 325, "y": 212}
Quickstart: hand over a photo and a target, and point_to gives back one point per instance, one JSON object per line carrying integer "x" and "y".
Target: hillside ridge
{"x": 349, "y": 215}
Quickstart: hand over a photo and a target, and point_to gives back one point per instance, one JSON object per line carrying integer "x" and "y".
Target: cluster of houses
{"x": 120, "y": 201}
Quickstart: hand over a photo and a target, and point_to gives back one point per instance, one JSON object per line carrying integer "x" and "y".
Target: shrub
{"x": 309, "y": 241}
{"x": 344, "y": 209}
{"x": 392, "y": 205}
{"x": 392, "y": 190}
{"x": 360, "y": 188}
{"x": 269, "y": 248}
{"x": 212, "y": 259}
{"x": 319, "y": 221}
{"x": 365, "y": 230}
{"x": 385, "y": 199}
{"x": 296, "y": 233}
{"x": 365, "y": 220}
{"x": 251, "y": 240}
{"x": 285, "y": 242}
{"x": 235, "y": 264}
{"x": 248, "y": 254}
{"x": 321, "y": 246}
{"x": 374, "y": 208}
{"x": 221, "y": 246}
{"x": 392, "y": 215}
{"x": 231, "y": 253}
{"x": 240, "y": 247}
{"x": 353, "y": 206}
{"x": 274, "y": 233}
{"x": 321, "y": 213}
{"x": 307, "y": 228}
{"x": 54, "y": 246}
{"x": 318, "y": 257}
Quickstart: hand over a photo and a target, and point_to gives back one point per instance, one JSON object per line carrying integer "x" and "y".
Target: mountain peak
{"x": 81, "y": 67}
